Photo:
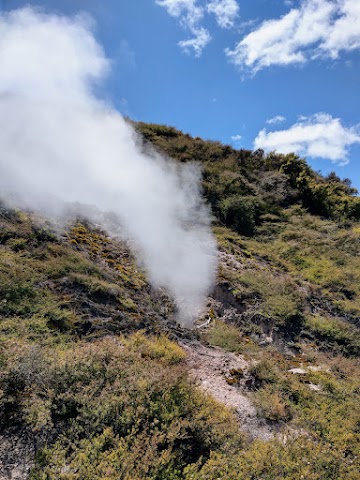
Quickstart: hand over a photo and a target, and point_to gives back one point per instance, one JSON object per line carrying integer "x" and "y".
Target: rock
{"x": 249, "y": 383}
{"x": 266, "y": 341}
{"x": 298, "y": 371}
{"x": 16, "y": 454}
{"x": 315, "y": 388}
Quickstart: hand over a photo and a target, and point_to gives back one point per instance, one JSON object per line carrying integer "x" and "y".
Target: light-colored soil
{"x": 211, "y": 367}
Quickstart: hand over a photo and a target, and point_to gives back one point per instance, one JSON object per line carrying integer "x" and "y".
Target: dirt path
{"x": 210, "y": 367}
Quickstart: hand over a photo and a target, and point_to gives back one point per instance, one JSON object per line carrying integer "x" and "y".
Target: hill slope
{"x": 97, "y": 380}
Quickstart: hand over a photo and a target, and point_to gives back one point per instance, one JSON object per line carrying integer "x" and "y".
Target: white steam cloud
{"x": 58, "y": 140}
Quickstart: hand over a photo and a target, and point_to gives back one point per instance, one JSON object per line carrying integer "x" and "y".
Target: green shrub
{"x": 224, "y": 335}
{"x": 123, "y": 406}
{"x": 272, "y": 405}
{"x": 336, "y": 332}
{"x": 241, "y": 213}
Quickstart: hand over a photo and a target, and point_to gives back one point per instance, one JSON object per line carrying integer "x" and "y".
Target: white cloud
{"x": 225, "y": 11}
{"x": 180, "y": 8}
{"x": 190, "y": 15}
{"x": 197, "y": 43}
{"x": 345, "y": 34}
{"x": 236, "y": 138}
{"x": 317, "y": 28}
{"x": 320, "y": 136}
{"x": 275, "y": 120}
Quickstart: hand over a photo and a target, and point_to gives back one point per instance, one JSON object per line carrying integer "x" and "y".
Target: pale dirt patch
{"x": 210, "y": 366}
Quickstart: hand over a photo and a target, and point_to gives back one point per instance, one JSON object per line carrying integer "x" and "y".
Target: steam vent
{"x": 173, "y": 305}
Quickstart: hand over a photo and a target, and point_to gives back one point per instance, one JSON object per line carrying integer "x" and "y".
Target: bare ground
{"x": 16, "y": 455}
{"x": 213, "y": 370}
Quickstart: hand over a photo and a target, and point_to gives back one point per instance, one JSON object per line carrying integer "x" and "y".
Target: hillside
{"x": 99, "y": 382}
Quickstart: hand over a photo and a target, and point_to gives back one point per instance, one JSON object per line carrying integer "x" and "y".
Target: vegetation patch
{"x": 90, "y": 371}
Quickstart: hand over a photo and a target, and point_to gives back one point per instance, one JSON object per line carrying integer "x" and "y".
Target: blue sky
{"x": 272, "y": 74}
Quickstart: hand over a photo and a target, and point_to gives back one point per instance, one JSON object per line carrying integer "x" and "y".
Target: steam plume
{"x": 58, "y": 140}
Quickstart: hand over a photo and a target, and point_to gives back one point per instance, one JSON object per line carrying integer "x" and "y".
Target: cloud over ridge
{"x": 320, "y": 136}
